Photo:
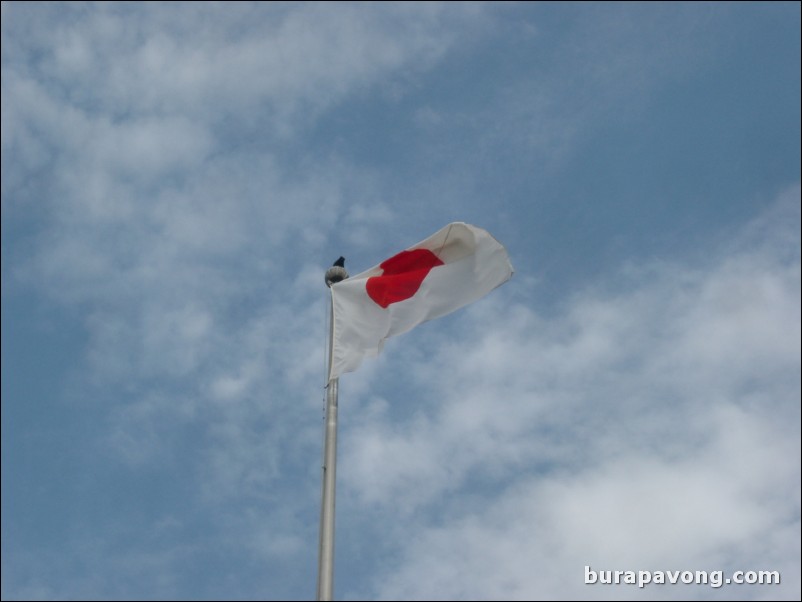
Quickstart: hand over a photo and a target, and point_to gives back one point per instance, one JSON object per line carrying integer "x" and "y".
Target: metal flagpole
{"x": 325, "y": 566}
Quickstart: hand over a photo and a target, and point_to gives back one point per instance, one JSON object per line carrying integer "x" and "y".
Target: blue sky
{"x": 176, "y": 177}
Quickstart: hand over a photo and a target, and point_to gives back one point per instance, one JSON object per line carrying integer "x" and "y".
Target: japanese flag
{"x": 450, "y": 269}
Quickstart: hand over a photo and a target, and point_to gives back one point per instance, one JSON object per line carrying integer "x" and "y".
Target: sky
{"x": 177, "y": 177}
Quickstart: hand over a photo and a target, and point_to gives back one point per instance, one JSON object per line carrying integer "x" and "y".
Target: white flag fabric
{"x": 452, "y": 268}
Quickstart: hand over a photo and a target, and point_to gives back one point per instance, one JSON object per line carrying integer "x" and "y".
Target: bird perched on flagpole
{"x": 336, "y": 273}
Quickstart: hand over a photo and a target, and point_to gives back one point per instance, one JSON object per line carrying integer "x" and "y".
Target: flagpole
{"x": 325, "y": 567}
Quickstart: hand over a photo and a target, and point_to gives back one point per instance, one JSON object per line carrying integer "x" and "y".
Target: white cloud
{"x": 157, "y": 153}
{"x": 532, "y": 541}
{"x": 299, "y": 58}
{"x": 651, "y": 427}
{"x": 147, "y": 208}
{"x": 156, "y": 148}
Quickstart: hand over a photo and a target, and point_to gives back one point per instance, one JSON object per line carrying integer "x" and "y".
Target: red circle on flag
{"x": 402, "y": 276}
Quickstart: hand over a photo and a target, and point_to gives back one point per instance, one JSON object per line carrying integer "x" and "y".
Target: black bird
{"x": 340, "y": 263}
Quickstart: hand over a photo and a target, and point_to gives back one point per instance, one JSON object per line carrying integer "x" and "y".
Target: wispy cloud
{"x": 157, "y": 147}
{"x": 174, "y": 177}
{"x": 654, "y": 426}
